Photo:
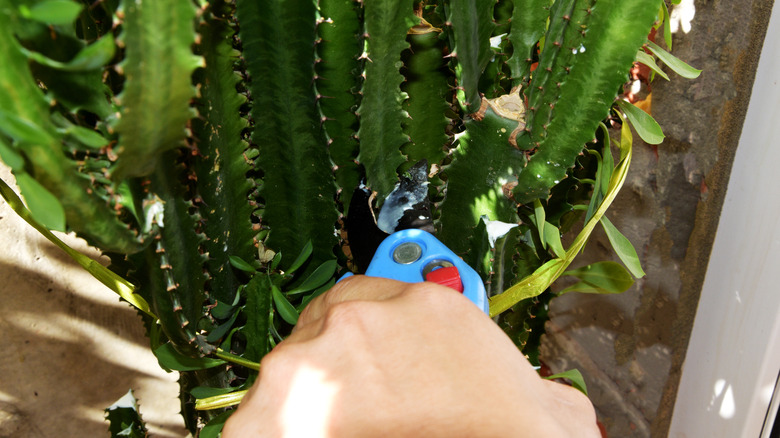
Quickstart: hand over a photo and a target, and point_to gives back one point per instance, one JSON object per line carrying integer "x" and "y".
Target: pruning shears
{"x": 399, "y": 244}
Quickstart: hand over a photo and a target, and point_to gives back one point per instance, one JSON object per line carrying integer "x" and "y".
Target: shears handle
{"x": 414, "y": 255}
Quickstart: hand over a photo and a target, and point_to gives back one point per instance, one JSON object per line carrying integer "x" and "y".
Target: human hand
{"x": 375, "y": 357}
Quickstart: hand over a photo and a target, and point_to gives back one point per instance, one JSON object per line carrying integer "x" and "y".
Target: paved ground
{"x": 71, "y": 348}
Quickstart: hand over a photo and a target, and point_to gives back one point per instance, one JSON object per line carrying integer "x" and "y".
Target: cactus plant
{"x": 211, "y": 150}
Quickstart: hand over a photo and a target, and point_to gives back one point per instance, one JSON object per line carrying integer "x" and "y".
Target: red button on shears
{"x": 446, "y": 276}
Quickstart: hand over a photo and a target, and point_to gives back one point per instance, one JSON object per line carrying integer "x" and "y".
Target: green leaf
{"x": 221, "y": 330}
{"x": 539, "y": 216}
{"x": 320, "y": 276}
{"x": 170, "y": 359}
{"x": 56, "y": 12}
{"x": 601, "y": 277}
{"x": 23, "y": 130}
{"x": 45, "y": 207}
{"x": 10, "y": 157}
{"x": 552, "y": 237}
{"x": 302, "y": 257}
{"x": 647, "y": 128}
{"x": 644, "y": 58}
{"x": 90, "y": 58}
{"x": 574, "y": 376}
{"x": 124, "y": 419}
{"x": 673, "y": 62}
{"x": 667, "y": 25}
{"x": 206, "y": 391}
{"x": 286, "y": 310}
{"x": 623, "y": 247}
{"x": 214, "y": 427}
{"x": 94, "y": 56}
{"x": 240, "y": 264}
{"x": 87, "y": 137}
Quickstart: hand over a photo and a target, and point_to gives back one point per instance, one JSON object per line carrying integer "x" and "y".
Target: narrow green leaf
{"x": 302, "y": 257}
{"x": 574, "y": 376}
{"x": 94, "y": 56}
{"x": 213, "y": 428}
{"x": 221, "y": 330}
{"x": 90, "y": 58}
{"x": 673, "y": 62}
{"x": 667, "y": 25}
{"x": 221, "y": 401}
{"x": 607, "y": 160}
{"x": 23, "y": 130}
{"x": 322, "y": 274}
{"x": 529, "y": 287}
{"x": 601, "y": 277}
{"x": 647, "y": 128}
{"x": 122, "y": 287}
{"x": 241, "y": 264}
{"x": 206, "y": 391}
{"x": 623, "y": 247}
{"x": 539, "y": 216}
{"x": 552, "y": 236}
{"x": 170, "y": 359}
{"x": 45, "y": 207}
{"x": 10, "y": 157}
{"x": 644, "y": 58}
{"x": 286, "y": 310}
{"x": 56, "y": 12}
{"x": 87, "y": 137}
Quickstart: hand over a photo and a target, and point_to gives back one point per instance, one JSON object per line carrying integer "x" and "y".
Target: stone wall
{"x": 631, "y": 347}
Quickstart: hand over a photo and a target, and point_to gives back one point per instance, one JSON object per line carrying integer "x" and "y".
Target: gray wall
{"x": 631, "y": 347}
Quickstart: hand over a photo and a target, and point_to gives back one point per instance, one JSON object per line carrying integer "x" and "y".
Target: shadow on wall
{"x": 71, "y": 348}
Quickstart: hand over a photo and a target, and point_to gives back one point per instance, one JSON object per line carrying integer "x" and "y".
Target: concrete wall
{"x": 631, "y": 347}
{"x": 70, "y": 348}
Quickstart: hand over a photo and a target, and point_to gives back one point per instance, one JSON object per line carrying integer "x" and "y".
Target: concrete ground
{"x": 72, "y": 348}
